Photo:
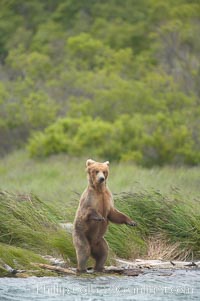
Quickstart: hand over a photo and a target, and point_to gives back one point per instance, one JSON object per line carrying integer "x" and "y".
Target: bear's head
{"x": 97, "y": 172}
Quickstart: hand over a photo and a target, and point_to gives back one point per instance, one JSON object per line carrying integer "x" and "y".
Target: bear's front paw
{"x": 93, "y": 215}
{"x": 101, "y": 219}
{"x": 132, "y": 224}
{"x": 98, "y": 218}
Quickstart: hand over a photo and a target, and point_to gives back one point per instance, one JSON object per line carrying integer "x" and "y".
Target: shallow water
{"x": 154, "y": 285}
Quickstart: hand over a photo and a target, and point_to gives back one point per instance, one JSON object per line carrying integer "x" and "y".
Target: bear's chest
{"x": 102, "y": 205}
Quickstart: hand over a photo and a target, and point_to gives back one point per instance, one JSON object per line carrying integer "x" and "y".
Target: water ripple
{"x": 154, "y": 285}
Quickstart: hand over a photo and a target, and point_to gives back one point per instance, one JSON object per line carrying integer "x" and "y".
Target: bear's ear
{"x": 89, "y": 162}
{"x": 107, "y": 163}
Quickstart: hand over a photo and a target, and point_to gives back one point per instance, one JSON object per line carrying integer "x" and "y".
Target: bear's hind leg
{"x": 99, "y": 251}
{"x": 82, "y": 252}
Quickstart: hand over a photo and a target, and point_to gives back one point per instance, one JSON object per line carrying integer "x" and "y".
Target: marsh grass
{"x": 57, "y": 178}
{"x": 172, "y": 222}
{"x": 159, "y": 247}
{"x": 17, "y": 258}
{"x": 164, "y": 202}
{"x": 29, "y": 223}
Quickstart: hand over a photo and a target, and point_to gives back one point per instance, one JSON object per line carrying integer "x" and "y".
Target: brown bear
{"x": 96, "y": 209}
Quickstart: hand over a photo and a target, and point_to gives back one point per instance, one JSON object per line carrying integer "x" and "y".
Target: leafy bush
{"x": 146, "y": 140}
{"x": 102, "y": 61}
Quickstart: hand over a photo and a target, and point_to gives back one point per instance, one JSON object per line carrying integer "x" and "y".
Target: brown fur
{"x": 96, "y": 209}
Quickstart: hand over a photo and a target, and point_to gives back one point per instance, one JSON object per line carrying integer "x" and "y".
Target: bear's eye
{"x": 104, "y": 172}
{"x": 96, "y": 172}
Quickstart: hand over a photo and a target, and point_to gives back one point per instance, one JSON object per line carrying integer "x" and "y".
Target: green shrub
{"x": 147, "y": 140}
{"x": 102, "y": 60}
{"x": 57, "y": 138}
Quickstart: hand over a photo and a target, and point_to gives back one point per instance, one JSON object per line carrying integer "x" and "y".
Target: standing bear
{"x": 96, "y": 209}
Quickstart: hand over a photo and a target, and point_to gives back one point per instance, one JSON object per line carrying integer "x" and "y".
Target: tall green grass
{"x": 165, "y": 203}
{"x": 20, "y": 259}
{"x": 29, "y": 223}
{"x": 172, "y": 220}
{"x": 57, "y": 178}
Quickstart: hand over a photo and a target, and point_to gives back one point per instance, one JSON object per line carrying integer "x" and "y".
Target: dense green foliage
{"x": 144, "y": 140}
{"x": 123, "y": 75}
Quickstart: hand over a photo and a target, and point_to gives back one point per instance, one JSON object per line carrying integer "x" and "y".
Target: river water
{"x": 160, "y": 285}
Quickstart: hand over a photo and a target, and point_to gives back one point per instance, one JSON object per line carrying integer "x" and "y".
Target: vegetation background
{"x": 117, "y": 79}
{"x": 114, "y": 80}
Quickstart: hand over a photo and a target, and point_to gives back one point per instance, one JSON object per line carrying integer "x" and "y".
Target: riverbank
{"x": 49, "y": 266}
{"x": 32, "y": 223}
{"x": 30, "y": 226}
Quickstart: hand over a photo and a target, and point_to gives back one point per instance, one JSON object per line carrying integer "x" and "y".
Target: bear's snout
{"x": 101, "y": 179}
